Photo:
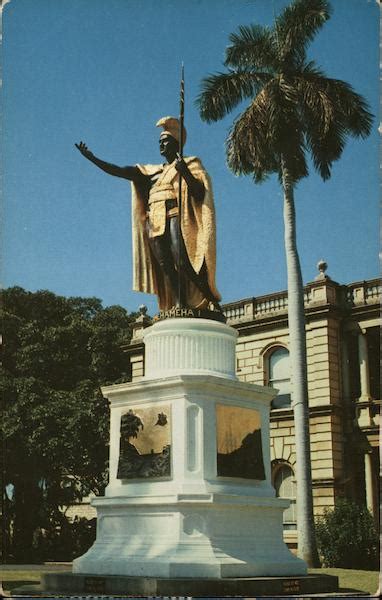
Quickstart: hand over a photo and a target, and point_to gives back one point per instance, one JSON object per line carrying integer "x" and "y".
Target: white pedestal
{"x": 193, "y": 520}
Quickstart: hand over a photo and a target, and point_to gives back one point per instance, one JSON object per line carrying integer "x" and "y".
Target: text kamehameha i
{"x": 176, "y": 312}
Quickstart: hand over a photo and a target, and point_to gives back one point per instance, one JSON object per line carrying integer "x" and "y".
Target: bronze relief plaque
{"x": 239, "y": 448}
{"x": 145, "y": 443}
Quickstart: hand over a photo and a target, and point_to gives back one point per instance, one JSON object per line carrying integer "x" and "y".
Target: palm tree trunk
{"x": 307, "y": 549}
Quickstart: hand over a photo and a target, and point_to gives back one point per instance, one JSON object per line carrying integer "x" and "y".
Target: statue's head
{"x": 168, "y": 146}
{"x": 169, "y": 138}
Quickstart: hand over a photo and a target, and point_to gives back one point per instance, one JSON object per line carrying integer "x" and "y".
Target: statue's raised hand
{"x": 84, "y": 150}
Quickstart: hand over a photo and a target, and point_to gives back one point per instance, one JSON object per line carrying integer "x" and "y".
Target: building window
{"x": 279, "y": 376}
{"x": 285, "y": 485}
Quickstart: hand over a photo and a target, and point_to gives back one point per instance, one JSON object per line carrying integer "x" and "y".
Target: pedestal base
{"x": 190, "y": 492}
{"x": 73, "y": 584}
{"x": 214, "y": 536}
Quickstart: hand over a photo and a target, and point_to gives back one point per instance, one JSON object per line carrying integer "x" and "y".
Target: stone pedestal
{"x": 190, "y": 492}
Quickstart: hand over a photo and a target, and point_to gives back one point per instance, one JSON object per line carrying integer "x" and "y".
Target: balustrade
{"x": 367, "y": 292}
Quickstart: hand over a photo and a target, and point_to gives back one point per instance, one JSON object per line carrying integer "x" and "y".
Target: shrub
{"x": 347, "y": 537}
{"x": 62, "y": 541}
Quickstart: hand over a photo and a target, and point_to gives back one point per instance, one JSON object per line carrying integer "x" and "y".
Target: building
{"x": 342, "y": 332}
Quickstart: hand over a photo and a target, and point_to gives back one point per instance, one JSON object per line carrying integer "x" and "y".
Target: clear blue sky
{"x": 105, "y": 72}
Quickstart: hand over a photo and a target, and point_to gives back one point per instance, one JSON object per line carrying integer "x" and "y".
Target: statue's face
{"x": 168, "y": 147}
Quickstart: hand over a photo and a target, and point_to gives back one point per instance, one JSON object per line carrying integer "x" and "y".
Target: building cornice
{"x": 283, "y": 414}
{"x": 134, "y": 348}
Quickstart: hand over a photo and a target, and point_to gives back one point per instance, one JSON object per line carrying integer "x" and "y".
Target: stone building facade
{"x": 342, "y": 334}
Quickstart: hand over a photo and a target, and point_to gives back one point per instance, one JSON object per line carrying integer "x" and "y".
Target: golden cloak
{"x": 198, "y": 231}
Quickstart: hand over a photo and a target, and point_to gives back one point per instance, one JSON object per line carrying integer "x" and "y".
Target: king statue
{"x": 173, "y": 224}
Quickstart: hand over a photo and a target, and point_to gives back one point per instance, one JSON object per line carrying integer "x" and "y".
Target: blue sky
{"x": 105, "y": 72}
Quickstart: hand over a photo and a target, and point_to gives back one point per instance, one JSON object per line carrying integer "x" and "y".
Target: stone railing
{"x": 256, "y": 308}
{"x": 239, "y": 311}
{"x": 262, "y": 306}
{"x": 373, "y": 292}
{"x": 318, "y": 292}
{"x": 271, "y": 303}
{"x": 235, "y": 311}
{"x": 364, "y": 292}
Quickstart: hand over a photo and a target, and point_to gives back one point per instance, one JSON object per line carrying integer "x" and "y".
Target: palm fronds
{"x": 331, "y": 111}
{"x": 297, "y": 25}
{"x": 294, "y": 107}
{"x": 252, "y": 46}
{"x": 246, "y": 145}
{"x": 267, "y": 130}
{"x": 222, "y": 92}
{"x": 352, "y": 109}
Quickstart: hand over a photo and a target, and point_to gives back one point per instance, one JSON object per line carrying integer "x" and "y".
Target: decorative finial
{"x": 143, "y": 309}
{"x": 141, "y": 321}
{"x": 322, "y": 267}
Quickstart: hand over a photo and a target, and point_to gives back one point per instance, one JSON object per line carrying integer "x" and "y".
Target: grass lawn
{"x": 14, "y": 579}
{"x": 349, "y": 580}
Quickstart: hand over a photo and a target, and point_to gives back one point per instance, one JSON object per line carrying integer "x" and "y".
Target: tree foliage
{"x": 55, "y": 422}
{"x": 347, "y": 537}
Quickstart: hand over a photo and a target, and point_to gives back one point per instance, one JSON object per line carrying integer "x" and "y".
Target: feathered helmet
{"x": 171, "y": 126}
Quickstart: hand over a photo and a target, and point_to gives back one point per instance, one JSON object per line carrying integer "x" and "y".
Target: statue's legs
{"x": 160, "y": 248}
{"x": 187, "y": 272}
{"x": 169, "y": 250}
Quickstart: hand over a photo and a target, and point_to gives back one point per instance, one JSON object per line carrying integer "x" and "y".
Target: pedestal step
{"x": 79, "y": 584}
{"x": 224, "y": 538}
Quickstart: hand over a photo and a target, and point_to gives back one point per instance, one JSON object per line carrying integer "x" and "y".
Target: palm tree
{"x": 294, "y": 110}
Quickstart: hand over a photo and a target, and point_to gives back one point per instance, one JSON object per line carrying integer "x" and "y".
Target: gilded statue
{"x": 174, "y": 248}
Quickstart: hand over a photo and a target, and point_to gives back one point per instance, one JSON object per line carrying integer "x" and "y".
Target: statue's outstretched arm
{"x": 131, "y": 173}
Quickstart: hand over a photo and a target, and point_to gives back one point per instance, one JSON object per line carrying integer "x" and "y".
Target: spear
{"x": 181, "y": 135}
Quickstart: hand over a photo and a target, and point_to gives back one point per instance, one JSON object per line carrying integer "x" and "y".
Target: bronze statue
{"x": 175, "y": 260}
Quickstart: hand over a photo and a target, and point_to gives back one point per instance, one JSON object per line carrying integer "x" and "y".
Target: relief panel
{"x": 239, "y": 447}
{"x": 145, "y": 443}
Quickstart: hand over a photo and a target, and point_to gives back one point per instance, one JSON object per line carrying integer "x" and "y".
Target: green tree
{"x": 55, "y": 422}
{"x": 294, "y": 110}
{"x": 347, "y": 537}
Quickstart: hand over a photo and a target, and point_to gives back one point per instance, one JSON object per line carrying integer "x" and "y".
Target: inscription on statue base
{"x": 175, "y": 312}
{"x": 291, "y": 586}
{"x": 95, "y": 585}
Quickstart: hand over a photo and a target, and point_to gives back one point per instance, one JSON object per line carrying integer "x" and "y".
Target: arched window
{"x": 279, "y": 376}
{"x": 285, "y": 485}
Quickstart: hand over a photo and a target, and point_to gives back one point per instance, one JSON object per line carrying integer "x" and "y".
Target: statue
{"x": 174, "y": 252}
